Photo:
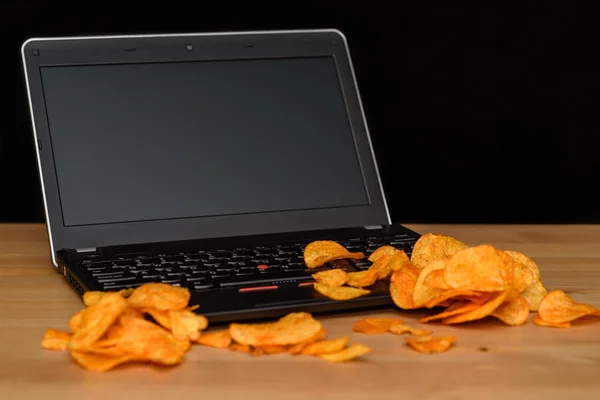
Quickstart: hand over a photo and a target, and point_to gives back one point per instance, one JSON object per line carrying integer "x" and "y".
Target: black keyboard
{"x": 228, "y": 268}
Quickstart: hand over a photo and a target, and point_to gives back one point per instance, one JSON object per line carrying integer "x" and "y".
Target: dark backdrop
{"x": 476, "y": 114}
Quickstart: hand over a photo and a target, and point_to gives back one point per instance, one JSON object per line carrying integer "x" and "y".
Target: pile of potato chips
{"x": 153, "y": 323}
{"x": 470, "y": 283}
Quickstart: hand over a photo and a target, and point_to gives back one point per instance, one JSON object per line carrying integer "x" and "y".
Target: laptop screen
{"x": 141, "y": 142}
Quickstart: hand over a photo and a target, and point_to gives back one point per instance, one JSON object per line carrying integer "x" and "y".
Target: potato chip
{"x": 480, "y": 268}
{"x": 375, "y": 325}
{"x": 400, "y": 329}
{"x": 459, "y": 307}
{"x": 297, "y": 348}
{"x": 423, "y": 293}
{"x": 534, "y": 295}
{"x": 382, "y": 251}
{"x": 242, "y": 348}
{"x": 456, "y": 294}
{"x": 99, "y": 363}
{"x": 160, "y": 296}
{"x": 320, "y": 252}
{"x": 558, "y": 307}
{"x": 326, "y": 346}
{"x": 93, "y": 297}
{"x": 382, "y": 267}
{"x": 479, "y": 313}
{"x": 162, "y": 317}
{"x": 431, "y": 247}
{"x": 354, "y": 351}
{"x": 56, "y": 340}
{"x": 526, "y": 261}
{"x": 402, "y": 285}
{"x": 435, "y": 279}
{"x": 75, "y": 320}
{"x": 217, "y": 339}
{"x": 186, "y": 324}
{"x": 272, "y": 349}
{"x": 540, "y": 322}
{"x": 362, "y": 279}
{"x": 515, "y": 312}
{"x": 431, "y": 344}
{"x": 147, "y": 341}
{"x": 95, "y": 320}
{"x": 340, "y": 292}
{"x": 332, "y": 277}
{"x": 398, "y": 261}
{"x": 291, "y": 329}
{"x": 522, "y": 277}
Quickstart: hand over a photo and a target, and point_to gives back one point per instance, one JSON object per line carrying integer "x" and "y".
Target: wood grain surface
{"x": 490, "y": 360}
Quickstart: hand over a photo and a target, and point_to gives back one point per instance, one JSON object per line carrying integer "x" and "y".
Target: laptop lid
{"x": 152, "y": 138}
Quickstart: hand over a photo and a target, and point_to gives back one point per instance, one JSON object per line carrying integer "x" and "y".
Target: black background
{"x": 477, "y": 114}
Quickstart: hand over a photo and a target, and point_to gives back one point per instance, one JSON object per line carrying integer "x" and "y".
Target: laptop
{"x": 207, "y": 161}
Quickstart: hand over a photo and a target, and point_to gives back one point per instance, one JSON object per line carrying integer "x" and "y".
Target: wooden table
{"x": 526, "y": 362}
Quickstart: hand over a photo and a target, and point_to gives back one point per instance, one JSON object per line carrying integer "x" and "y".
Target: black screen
{"x": 141, "y": 142}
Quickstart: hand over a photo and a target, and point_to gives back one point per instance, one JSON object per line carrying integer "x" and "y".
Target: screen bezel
{"x": 40, "y": 52}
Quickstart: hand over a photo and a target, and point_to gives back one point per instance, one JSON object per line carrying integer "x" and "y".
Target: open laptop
{"x": 207, "y": 161}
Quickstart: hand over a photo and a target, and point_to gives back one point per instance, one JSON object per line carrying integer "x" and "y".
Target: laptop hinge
{"x": 373, "y": 227}
{"x": 86, "y": 250}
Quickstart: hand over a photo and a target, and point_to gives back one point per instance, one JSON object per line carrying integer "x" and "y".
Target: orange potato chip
{"x": 435, "y": 279}
{"x": 56, "y": 340}
{"x": 272, "y": 349}
{"x": 93, "y": 297}
{"x": 526, "y": 261}
{"x": 382, "y": 251}
{"x": 242, "y": 348}
{"x": 382, "y": 267}
{"x": 402, "y": 285}
{"x": 456, "y": 294}
{"x": 162, "y": 317}
{"x": 326, "y": 346}
{"x": 534, "y": 295}
{"x": 95, "y": 320}
{"x": 290, "y": 329}
{"x": 332, "y": 277}
{"x": 459, "y": 307}
{"x": 431, "y": 247}
{"x": 362, "y": 279}
{"x": 400, "y": 329}
{"x": 297, "y": 348}
{"x": 375, "y": 325}
{"x": 515, "y": 312}
{"x": 160, "y": 296}
{"x": 217, "y": 339}
{"x": 558, "y": 307}
{"x": 75, "y": 321}
{"x": 431, "y": 344}
{"x": 423, "y": 293}
{"x": 481, "y": 268}
{"x": 540, "y": 322}
{"x": 354, "y": 351}
{"x": 483, "y": 311}
{"x": 147, "y": 341}
{"x": 99, "y": 363}
{"x": 186, "y": 324}
{"x": 398, "y": 261}
{"x": 522, "y": 277}
{"x": 340, "y": 292}
{"x": 320, "y": 252}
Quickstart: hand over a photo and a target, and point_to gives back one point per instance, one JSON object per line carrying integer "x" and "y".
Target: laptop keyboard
{"x": 229, "y": 268}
